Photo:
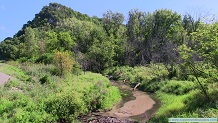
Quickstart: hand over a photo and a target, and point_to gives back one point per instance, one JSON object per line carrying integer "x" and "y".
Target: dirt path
{"x": 4, "y": 78}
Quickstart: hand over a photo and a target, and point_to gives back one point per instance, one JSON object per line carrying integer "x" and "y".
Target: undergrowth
{"x": 37, "y": 94}
{"x": 179, "y": 97}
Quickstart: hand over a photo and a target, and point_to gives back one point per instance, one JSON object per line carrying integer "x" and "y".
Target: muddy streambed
{"x": 134, "y": 106}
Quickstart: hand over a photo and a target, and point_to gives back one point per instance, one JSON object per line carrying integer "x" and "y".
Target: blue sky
{"x": 15, "y": 13}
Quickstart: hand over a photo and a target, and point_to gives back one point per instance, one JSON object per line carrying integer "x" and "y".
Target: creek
{"x": 135, "y": 106}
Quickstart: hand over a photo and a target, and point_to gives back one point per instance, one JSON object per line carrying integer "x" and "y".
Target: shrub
{"x": 98, "y": 93}
{"x": 177, "y": 87}
{"x": 45, "y": 79}
{"x": 46, "y": 58}
{"x": 111, "y": 96}
{"x": 66, "y": 105}
{"x": 63, "y": 62}
{"x": 68, "y": 98}
{"x": 76, "y": 69}
{"x": 151, "y": 86}
{"x": 5, "y": 105}
{"x": 16, "y": 107}
{"x": 12, "y": 83}
{"x": 138, "y": 74}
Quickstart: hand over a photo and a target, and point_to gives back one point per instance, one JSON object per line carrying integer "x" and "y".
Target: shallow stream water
{"x": 135, "y": 105}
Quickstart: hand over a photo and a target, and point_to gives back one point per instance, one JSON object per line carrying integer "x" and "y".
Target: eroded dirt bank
{"x": 139, "y": 105}
{"x": 133, "y": 107}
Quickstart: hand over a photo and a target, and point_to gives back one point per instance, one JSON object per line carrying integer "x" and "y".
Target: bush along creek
{"x": 54, "y": 68}
{"x": 135, "y": 106}
{"x": 174, "y": 97}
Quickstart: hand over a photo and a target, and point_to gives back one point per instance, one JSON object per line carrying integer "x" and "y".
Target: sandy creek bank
{"x": 135, "y": 106}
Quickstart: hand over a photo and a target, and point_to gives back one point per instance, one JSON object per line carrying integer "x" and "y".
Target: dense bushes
{"x": 99, "y": 92}
{"x": 66, "y": 105}
{"x": 180, "y": 97}
{"x": 49, "y": 98}
{"x": 17, "y": 107}
{"x": 149, "y": 73}
{"x": 63, "y": 62}
{"x": 87, "y": 92}
{"x": 177, "y": 87}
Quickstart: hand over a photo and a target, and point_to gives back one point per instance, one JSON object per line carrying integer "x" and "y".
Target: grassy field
{"x": 37, "y": 94}
{"x": 179, "y": 98}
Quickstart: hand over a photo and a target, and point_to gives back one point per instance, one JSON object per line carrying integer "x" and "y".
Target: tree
{"x": 66, "y": 41}
{"x": 116, "y": 31}
{"x": 112, "y": 22}
{"x": 100, "y": 55}
{"x": 136, "y": 37}
{"x": 63, "y": 62}
{"x": 190, "y": 24}
{"x": 52, "y": 42}
{"x": 207, "y": 40}
{"x": 166, "y": 37}
{"x": 30, "y": 41}
{"x": 205, "y": 48}
{"x": 189, "y": 66}
{"x": 8, "y": 49}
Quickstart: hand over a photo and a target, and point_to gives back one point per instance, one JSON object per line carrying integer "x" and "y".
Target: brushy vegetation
{"x": 171, "y": 55}
{"x": 36, "y": 94}
{"x": 179, "y": 98}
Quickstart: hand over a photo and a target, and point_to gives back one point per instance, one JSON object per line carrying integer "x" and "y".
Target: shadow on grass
{"x": 195, "y": 106}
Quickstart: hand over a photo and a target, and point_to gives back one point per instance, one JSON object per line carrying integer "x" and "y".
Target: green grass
{"x": 179, "y": 98}
{"x": 190, "y": 105}
{"x": 97, "y": 86}
{"x": 171, "y": 104}
{"x": 13, "y": 71}
{"x": 47, "y": 97}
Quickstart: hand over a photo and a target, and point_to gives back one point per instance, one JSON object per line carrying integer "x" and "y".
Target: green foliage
{"x": 16, "y": 107}
{"x": 177, "y": 87}
{"x": 112, "y": 22}
{"x": 63, "y": 62}
{"x": 100, "y": 94}
{"x": 77, "y": 70}
{"x": 46, "y": 58}
{"x": 13, "y": 71}
{"x": 31, "y": 46}
{"x": 12, "y": 83}
{"x": 89, "y": 92}
{"x": 138, "y": 74}
{"x": 207, "y": 39}
{"x": 121, "y": 73}
{"x": 8, "y": 49}
{"x": 66, "y": 41}
{"x": 66, "y": 105}
{"x": 101, "y": 55}
{"x": 58, "y": 99}
{"x": 52, "y": 42}
{"x": 178, "y": 98}
{"x": 45, "y": 79}
{"x": 110, "y": 98}
{"x": 183, "y": 50}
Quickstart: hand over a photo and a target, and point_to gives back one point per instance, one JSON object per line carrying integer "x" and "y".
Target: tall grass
{"x": 45, "y": 97}
{"x": 179, "y": 97}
